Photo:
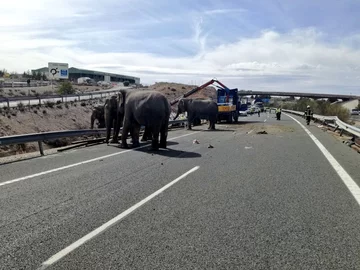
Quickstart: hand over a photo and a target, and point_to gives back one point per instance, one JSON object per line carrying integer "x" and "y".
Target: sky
{"x": 271, "y": 45}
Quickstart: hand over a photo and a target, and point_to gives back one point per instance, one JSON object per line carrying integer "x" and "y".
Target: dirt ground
{"x": 41, "y": 119}
{"x": 69, "y": 116}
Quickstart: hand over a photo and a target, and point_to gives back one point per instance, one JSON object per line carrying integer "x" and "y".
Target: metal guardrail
{"x": 45, "y": 136}
{"x": 338, "y": 123}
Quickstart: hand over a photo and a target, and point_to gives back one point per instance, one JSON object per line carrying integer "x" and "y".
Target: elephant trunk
{"x": 92, "y": 122}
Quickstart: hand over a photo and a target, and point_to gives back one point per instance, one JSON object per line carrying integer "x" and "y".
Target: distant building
{"x": 75, "y": 73}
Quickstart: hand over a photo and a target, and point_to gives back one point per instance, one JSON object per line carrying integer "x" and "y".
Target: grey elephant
{"x": 111, "y": 117}
{"x": 198, "y": 109}
{"x": 98, "y": 114}
{"x": 144, "y": 108}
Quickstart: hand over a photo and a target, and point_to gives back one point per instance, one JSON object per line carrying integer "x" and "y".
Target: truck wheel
{"x": 236, "y": 117}
{"x": 230, "y": 118}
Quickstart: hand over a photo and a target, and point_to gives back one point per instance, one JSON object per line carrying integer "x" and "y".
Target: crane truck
{"x": 227, "y": 101}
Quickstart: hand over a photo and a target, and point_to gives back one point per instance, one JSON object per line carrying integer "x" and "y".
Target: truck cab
{"x": 228, "y": 104}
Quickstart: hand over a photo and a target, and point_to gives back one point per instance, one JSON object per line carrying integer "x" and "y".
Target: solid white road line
{"x": 345, "y": 177}
{"x": 61, "y": 254}
{"x": 82, "y": 162}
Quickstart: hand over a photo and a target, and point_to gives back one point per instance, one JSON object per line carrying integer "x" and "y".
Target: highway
{"x": 253, "y": 201}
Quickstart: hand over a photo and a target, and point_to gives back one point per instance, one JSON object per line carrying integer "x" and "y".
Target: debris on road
{"x": 262, "y": 132}
{"x": 210, "y": 146}
{"x": 195, "y": 141}
{"x": 248, "y": 147}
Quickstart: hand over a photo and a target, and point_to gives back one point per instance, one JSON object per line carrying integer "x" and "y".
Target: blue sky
{"x": 310, "y": 46}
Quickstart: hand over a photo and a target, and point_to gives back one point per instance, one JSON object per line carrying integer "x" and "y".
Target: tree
{"x": 38, "y": 76}
{"x": 66, "y": 88}
{"x": 43, "y": 77}
{"x": 24, "y": 75}
{"x": 3, "y": 72}
{"x": 33, "y": 75}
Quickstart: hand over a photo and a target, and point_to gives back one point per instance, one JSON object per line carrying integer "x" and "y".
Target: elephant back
{"x": 147, "y": 106}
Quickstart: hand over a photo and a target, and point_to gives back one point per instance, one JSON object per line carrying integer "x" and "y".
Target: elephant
{"x": 148, "y": 108}
{"x": 98, "y": 114}
{"x": 111, "y": 118}
{"x": 198, "y": 109}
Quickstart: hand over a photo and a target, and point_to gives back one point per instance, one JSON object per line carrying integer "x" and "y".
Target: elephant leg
{"x": 117, "y": 130}
{"x": 108, "y": 130}
{"x": 146, "y": 135}
{"x": 212, "y": 125}
{"x": 124, "y": 134}
{"x": 135, "y": 135}
{"x": 188, "y": 125}
{"x": 163, "y": 135}
{"x": 115, "y": 137}
{"x": 155, "y": 138}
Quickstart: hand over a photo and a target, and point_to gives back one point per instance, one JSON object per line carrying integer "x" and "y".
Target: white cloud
{"x": 223, "y": 11}
{"x": 299, "y": 60}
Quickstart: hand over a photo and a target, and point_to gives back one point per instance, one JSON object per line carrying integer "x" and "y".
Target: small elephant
{"x": 98, "y": 114}
{"x": 198, "y": 109}
{"x": 144, "y": 108}
{"x": 111, "y": 117}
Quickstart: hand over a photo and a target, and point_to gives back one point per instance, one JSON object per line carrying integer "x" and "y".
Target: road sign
{"x": 58, "y": 71}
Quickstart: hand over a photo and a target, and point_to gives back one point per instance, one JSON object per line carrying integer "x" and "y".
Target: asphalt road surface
{"x": 253, "y": 201}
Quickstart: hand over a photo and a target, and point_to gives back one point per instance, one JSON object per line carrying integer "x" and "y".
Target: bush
{"x": 320, "y": 107}
{"x": 23, "y": 93}
{"x": 13, "y": 113}
{"x": 66, "y": 88}
{"x": 66, "y": 105}
{"x": 59, "y": 106}
{"x": 49, "y": 104}
{"x": 44, "y": 112}
{"x": 21, "y": 107}
{"x": 33, "y": 91}
{"x": 35, "y": 111}
{"x": 58, "y": 142}
{"x": 83, "y": 104}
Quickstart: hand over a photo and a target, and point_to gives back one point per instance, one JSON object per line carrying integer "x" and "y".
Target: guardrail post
{"x": 341, "y": 132}
{"x": 62, "y": 99}
{"x": 336, "y": 128}
{"x": 8, "y": 103}
{"x": 78, "y": 97}
{"x": 41, "y": 148}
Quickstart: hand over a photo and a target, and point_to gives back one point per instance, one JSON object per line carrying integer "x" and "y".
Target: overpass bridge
{"x": 331, "y": 97}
